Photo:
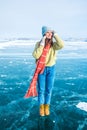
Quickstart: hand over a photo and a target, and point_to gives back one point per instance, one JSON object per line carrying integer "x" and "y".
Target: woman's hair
{"x": 49, "y": 41}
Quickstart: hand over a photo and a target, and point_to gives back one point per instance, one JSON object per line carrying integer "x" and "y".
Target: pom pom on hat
{"x": 45, "y": 29}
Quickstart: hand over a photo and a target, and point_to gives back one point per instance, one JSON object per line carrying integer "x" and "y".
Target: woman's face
{"x": 48, "y": 35}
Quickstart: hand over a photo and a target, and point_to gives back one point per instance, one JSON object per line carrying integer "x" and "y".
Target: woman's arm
{"x": 58, "y": 44}
{"x": 39, "y": 48}
{"x": 37, "y": 51}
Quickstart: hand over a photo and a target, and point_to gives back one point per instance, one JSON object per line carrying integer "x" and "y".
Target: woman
{"x": 46, "y": 79}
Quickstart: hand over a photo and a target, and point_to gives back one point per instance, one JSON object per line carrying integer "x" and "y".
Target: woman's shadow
{"x": 48, "y": 122}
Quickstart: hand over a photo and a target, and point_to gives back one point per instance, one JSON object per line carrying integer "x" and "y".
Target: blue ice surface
{"x": 70, "y": 87}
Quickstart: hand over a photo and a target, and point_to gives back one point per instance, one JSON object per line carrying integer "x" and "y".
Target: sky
{"x": 25, "y": 18}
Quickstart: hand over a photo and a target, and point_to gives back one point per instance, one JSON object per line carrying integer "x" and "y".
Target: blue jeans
{"x": 45, "y": 85}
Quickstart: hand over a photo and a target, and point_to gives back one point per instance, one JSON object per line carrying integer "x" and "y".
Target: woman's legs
{"x": 50, "y": 73}
{"x": 48, "y": 88}
{"x": 45, "y": 85}
{"x": 41, "y": 87}
{"x": 41, "y": 90}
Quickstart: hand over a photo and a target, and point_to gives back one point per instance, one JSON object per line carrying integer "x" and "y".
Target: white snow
{"x": 6, "y": 44}
{"x": 70, "y": 50}
{"x": 3, "y": 45}
{"x": 82, "y": 106}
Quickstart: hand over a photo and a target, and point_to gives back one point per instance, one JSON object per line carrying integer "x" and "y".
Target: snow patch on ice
{"x": 70, "y": 84}
{"x": 3, "y": 76}
{"x": 82, "y": 106}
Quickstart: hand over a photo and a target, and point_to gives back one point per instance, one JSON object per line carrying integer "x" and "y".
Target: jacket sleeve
{"x": 37, "y": 51}
{"x": 58, "y": 44}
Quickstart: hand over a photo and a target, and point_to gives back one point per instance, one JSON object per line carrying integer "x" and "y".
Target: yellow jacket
{"x": 51, "y": 56}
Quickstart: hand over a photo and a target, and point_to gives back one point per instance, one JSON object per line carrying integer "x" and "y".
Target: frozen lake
{"x": 69, "y": 97}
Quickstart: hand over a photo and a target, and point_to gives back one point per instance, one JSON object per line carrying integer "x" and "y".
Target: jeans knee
{"x": 40, "y": 92}
{"x": 48, "y": 93}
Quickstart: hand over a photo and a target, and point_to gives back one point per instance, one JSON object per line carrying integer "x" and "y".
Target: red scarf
{"x": 39, "y": 69}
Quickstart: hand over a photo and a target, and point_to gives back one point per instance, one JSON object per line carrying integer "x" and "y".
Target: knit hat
{"x": 45, "y": 29}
